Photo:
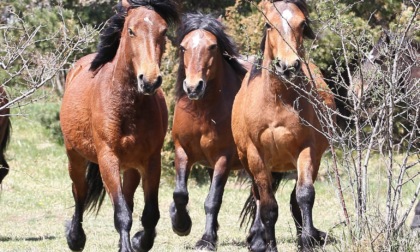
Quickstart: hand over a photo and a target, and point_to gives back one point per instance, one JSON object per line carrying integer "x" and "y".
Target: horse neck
{"x": 123, "y": 76}
{"x": 275, "y": 87}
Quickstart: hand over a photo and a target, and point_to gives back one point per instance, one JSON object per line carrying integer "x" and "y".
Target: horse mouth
{"x": 194, "y": 96}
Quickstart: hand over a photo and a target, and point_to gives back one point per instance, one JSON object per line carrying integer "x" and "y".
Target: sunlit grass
{"x": 36, "y": 201}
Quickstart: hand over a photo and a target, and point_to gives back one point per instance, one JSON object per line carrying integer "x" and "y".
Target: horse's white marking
{"x": 196, "y": 40}
{"x": 286, "y": 15}
{"x": 147, "y": 20}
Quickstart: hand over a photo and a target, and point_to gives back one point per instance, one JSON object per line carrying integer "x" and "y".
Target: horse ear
{"x": 308, "y": 32}
{"x": 125, "y": 3}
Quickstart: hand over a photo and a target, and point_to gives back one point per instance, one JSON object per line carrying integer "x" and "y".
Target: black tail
{"x": 4, "y": 167}
{"x": 250, "y": 206}
{"x": 96, "y": 190}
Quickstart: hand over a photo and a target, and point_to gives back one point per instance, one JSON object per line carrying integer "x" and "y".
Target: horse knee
{"x": 305, "y": 196}
{"x": 269, "y": 213}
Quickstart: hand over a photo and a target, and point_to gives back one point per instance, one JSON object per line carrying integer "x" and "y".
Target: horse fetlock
{"x": 181, "y": 198}
{"x": 75, "y": 235}
{"x": 143, "y": 240}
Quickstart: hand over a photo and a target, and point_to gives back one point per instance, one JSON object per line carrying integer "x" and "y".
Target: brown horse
{"x": 209, "y": 77}
{"x": 275, "y": 124}
{"x": 5, "y": 127}
{"x": 114, "y": 120}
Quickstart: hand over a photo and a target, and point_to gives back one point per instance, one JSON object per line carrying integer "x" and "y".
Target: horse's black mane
{"x": 308, "y": 33}
{"x": 195, "y": 21}
{"x": 109, "y": 40}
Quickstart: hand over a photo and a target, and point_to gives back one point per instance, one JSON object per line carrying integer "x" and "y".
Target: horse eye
{"x": 164, "y": 32}
{"x": 213, "y": 47}
{"x": 130, "y": 32}
{"x": 303, "y": 25}
{"x": 182, "y": 49}
{"x": 267, "y": 26}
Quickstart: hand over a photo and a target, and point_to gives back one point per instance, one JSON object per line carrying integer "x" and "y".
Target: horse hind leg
{"x": 4, "y": 167}
{"x": 143, "y": 240}
{"x": 181, "y": 220}
{"x": 213, "y": 203}
{"x": 4, "y": 139}
{"x": 75, "y": 235}
{"x": 415, "y": 225}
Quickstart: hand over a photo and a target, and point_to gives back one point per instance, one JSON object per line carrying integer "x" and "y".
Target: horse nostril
{"x": 158, "y": 81}
{"x": 297, "y": 65}
{"x": 200, "y": 85}
{"x": 141, "y": 76}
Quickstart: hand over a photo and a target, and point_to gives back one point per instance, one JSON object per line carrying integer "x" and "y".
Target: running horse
{"x": 275, "y": 123}
{"x": 5, "y": 127}
{"x": 114, "y": 120}
{"x": 209, "y": 76}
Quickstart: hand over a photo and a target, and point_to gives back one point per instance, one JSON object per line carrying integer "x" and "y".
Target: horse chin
{"x": 194, "y": 96}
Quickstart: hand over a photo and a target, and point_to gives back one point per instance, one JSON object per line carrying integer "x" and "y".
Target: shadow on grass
{"x": 33, "y": 239}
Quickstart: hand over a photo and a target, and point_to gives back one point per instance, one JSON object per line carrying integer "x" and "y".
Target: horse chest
{"x": 278, "y": 145}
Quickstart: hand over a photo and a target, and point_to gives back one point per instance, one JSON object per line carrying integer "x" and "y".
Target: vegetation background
{"x": 41, "y": 39}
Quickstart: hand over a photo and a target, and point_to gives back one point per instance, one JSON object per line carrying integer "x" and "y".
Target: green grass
{"x": 36, "y": 201}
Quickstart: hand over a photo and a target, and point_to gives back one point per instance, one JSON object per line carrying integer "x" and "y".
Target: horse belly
{"x": 280, "y": 149}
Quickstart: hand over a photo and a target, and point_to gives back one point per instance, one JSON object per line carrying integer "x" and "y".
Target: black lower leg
{"x": 305, "y": 196}
{"x": 297, "y": 215}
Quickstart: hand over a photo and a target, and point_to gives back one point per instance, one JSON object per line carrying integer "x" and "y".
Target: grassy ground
{"x": 36, "y": 201}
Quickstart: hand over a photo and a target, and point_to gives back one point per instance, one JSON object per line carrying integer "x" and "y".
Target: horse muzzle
{"x": 195, "y": 92}
{"x": 287, "y": 71}
{"x": 146, "y": 87}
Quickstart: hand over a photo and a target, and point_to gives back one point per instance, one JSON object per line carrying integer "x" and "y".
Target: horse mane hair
{"x": 110, "y": 37}
{"x": 308, "y": 33}
{"x": 195, "y": 21}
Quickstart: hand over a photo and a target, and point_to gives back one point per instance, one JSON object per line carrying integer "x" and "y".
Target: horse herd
{"x": 229, "y": 114}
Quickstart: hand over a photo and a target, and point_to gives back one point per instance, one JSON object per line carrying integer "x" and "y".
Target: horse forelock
{"x": 230, "y": 53}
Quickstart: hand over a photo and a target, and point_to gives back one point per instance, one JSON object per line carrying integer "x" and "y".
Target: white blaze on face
{"x": 147, "y": 20}
{"x": 196, "y": 40}
{"x": 286, "y": 15}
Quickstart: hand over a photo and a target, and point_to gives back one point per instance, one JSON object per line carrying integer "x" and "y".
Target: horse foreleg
{"x": 297, "y": 215}
{"x": 75, "y": 235}
{"x": 110, "y": 172}
{"x": 305, "y": 197}
{"x": 267, "y": 202}
{"x": 212, "y": 205}
{"x": 143, "y": 240}
{"x": 181, "y": 221}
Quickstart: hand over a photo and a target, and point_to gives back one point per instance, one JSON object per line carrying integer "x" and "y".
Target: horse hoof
{"x": 181, "y": 225}
{"x": 308, "y": 242}
{"x": 141, "y": 243}
{"x": 205, "y": 245}
{"x": 76, "y": 239}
